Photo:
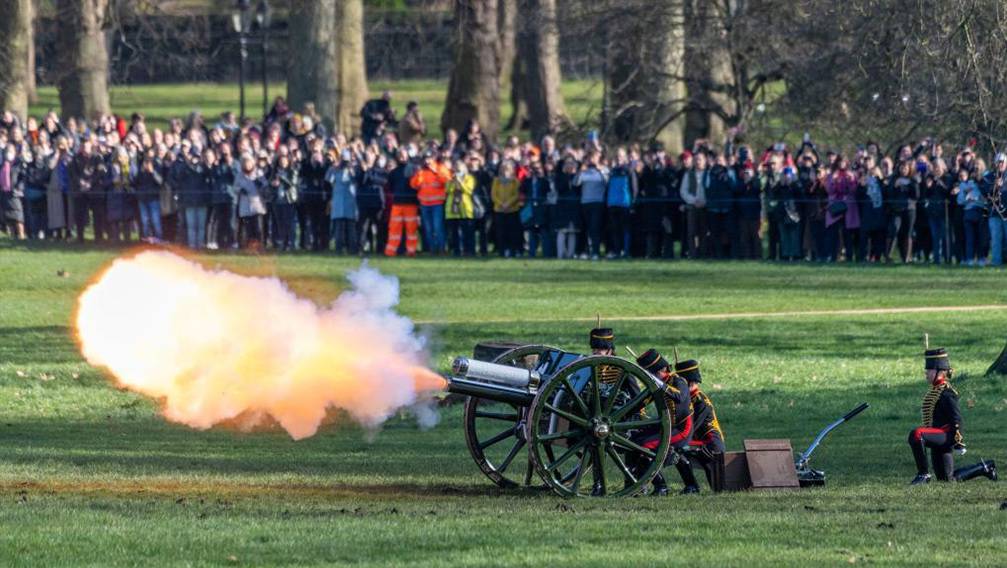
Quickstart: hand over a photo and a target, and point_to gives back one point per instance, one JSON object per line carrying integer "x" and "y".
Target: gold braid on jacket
{"x": 930, "y": 403}
{"x": 714, "y": 423}
{"x": 609, "y": 374}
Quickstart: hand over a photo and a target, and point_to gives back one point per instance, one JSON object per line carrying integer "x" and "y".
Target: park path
{"x": 742, "y": 315}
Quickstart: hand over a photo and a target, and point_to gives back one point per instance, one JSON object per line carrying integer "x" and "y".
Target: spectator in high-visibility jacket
{"x": 460, "y": 211}
{"x": 404, "y": 214}
{"x": 429, "y": 185}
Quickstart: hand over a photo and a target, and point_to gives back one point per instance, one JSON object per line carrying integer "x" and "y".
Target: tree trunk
{"x": 507, "y": 22}
{"x": 645, "y": 83}
{"x": 546, "y": 109}
{"x": 519, "y": 86}
{"x": 329, "y": 52}
{"x": 83, "y": 80}
{"x": 30, "y": 84}
{"x": 709, "y": 62}
{"x": 352, "y": 65}
{"x": 15, "y": 35}
{"x": 474, "y": 88}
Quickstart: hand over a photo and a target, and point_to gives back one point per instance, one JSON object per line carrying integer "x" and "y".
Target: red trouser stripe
{"x": 677, "y": 438}
{"x": 919, "y": 432}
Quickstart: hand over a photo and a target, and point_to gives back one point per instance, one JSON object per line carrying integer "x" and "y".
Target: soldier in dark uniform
{"x": 707, "y": 443}
{"x": 941, "y": 429}
{"x": 676, "y": 396}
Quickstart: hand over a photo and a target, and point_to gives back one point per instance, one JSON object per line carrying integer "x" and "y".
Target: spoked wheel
{"x": 592, "y": 435}
{"x": 494, "y": 431}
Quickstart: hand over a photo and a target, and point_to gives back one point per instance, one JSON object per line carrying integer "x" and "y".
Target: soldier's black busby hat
{"x": 937, "y": 359}
{"x": 652, "y": 361}
{"x": 602, "y": 338}
{"x": 689, "y": 370}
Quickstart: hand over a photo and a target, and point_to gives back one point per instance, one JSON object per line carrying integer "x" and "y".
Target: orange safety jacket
{"x": 429, "y": 184}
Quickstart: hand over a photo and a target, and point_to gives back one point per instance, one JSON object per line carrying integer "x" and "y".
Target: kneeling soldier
{"x": 676, "y": 396}
{"x": 707, "y": 444}
{"x": 941, "y": 429}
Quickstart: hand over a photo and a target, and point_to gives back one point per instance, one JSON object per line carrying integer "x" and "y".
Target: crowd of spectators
{"x": 286, "y": 184}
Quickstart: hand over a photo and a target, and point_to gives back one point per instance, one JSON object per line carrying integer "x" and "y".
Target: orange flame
{"x": 217, "y": 347}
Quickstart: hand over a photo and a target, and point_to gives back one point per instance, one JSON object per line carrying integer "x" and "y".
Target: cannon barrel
{"x": 502, "y": 383}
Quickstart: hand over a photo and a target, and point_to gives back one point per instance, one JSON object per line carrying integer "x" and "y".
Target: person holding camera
{"x": 695, "y": 181}
{"x": 250, "y": 185}
{"x": 842, "y": 216}
{"x": 873, "y": 215}
{"x": 993, "y": 185}
{"x": 904, "y": 192}
{"x": 592, "y": 182}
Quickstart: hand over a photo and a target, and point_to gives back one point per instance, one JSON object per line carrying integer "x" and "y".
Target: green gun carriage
{"x": 570, "y": 420}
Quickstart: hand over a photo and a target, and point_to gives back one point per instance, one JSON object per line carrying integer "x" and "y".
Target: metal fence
{"x": 169, "y": 49}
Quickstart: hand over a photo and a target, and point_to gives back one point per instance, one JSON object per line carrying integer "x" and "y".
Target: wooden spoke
{"x": 571, "y": 417}
{"x": 625, "y": 442}
{"x": 580, "y": 472}
{"x": 497, "y": 416}
{"x": 618, "y": 461}
{"x": 511, "y": 455}
{"x": 497, "y": 439}
{"x": 631, "y": 424}
{"x": 596, "y": 387}
{"x": 560, "y": 435}
{"x": 615, "y": 394}
{"x": 631, "y": 406}
{"x": 566, "y": 455}
{"x": 576, "y": 396}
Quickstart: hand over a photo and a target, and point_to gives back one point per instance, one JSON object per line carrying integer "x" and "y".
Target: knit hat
{"x": 652, "y": 361}
{"x": 937, "y": 359}
{"x": 689, "y": 370}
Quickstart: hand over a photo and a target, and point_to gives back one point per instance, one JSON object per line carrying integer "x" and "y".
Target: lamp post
{"x": 241, "y": 19}
{"x": 264, "y": 16}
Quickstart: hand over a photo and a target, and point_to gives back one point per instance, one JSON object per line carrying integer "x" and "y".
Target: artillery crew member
{"x": 603, "y": 343}
{"x": 941, "y": 428}
{"x": 676, "y": 396}
{"x": 707, "y": 443}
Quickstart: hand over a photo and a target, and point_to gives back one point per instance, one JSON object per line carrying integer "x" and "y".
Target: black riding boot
{"x": 944, "y": 464}
{"x": 984, "y": 468}
{"x": 684, "y": 468}
{"x": 660, "y": 485}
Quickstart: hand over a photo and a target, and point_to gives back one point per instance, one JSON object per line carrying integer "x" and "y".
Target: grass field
{"x": 159, "y": 103}
{"x": 93, "y": 475}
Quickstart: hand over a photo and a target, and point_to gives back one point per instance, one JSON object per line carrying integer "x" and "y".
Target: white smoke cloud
{"x": 218, "y": 347}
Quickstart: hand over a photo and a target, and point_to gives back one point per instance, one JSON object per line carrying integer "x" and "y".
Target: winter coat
{"x": 841, "y": 186}
{"x": 191, "y": 183}
{"x": 536, "y": 194}
{"x": 506, "y": 196}
{"x": 565, "y": 215}
{"x": 459, "y": 192}
{"x": 250, "y": 189}
{"x": 622, "y": 187}
{"x": 371, "y": 194}
{"x": 871, "y": 198}
{"x": 693, "y": 187}
{"x": 592, "y": 183}
{"x": 344, "y": 181}
{"x": 222, "y": 183}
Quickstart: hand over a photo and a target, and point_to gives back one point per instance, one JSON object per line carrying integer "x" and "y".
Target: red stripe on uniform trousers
{"x": 918, "y": 432}
{"x": 683, "y": 433}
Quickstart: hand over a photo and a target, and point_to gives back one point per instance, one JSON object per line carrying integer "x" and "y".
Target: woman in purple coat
{"x": 841, "y": 215}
